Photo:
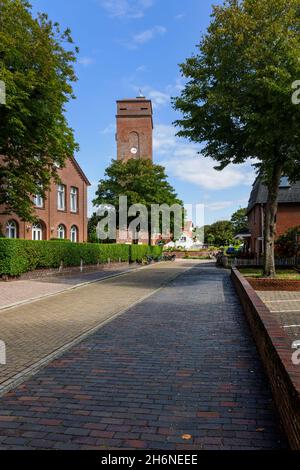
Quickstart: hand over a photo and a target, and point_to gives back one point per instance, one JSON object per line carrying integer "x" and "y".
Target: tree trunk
{"x": 270, "y": 223}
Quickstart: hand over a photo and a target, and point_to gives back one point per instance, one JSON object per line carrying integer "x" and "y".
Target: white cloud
{"x": 200, "y": 171}
{"x": 109, "y": 129}
{"x": 143, "y": 37}
{"x": 158, "y": 98}
{"x": 176, "y": 87}
{"x": 148, "y": 34}
{"x": 164, "y": 138}
{"x": 183, "y": 162}
{"x": 126, "y": 8}
{"x": 86, "y": 61}
{"x": 180, "y": 16}
{"x": 141, "y": 68}
{"x": 221, "y": 205}
{"x": 162, "y": 97}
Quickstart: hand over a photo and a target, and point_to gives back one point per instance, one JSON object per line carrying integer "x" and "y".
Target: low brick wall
{"x": 274, "y": 284}
{"x": 274, "y": 347}
{"x": 43, "y": 273}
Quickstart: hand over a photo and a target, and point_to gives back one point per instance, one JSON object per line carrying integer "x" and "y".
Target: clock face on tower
{"x": 134, "y": 150}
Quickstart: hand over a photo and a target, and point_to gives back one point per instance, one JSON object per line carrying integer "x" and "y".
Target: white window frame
{"x": 74, "y": 199}
{"x": 74, "y": 234}
{"x": 37, "y": 232}
{"x": 38, "y": 201}
{"x": 61, "y": 197}
{"x": 61, "y": 232}
{"x": 12, "y": 229}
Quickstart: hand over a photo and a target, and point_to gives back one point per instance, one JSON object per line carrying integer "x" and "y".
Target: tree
{"x": 239, "y": 221}
{"x": 36, "y": 65}
{"x": 140, "y": 180}
{"x": 92, "y": 225}
{"x": 220, "y": 233}
{"x": 238, "y": 98}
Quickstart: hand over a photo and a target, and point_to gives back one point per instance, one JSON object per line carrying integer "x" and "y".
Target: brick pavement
{"x": 36, "y": 330}
{"x": 177, "y": 371}
{"x": 21, "y": 291}
{"x": 286, "y": 308}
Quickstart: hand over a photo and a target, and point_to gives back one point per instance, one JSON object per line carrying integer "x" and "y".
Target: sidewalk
{"x": 286, "y": 309}
{"x": 36, "y": 332}
{"x": 21, "y": 291}
{"x": 177, "y": 371}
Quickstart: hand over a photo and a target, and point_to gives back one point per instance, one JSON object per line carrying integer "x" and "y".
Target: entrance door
{"x": 37, "y": 232}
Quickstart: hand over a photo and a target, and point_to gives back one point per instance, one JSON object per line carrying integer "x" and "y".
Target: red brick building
{"x": 62, "y": 214}
{"x": 288, "y": 215}
{"x": 134, "y": 129}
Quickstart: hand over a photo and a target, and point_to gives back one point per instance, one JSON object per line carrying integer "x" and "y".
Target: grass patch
{"x": 286, "y": 274}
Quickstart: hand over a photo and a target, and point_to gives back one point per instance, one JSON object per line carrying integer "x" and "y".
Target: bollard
{"x": 61, "y": 267}
{"x": 2, "y": 353}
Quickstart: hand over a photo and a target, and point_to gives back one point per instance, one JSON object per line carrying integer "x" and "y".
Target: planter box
{"x": 274, "y": 284}
{"x": 275, "y": 350}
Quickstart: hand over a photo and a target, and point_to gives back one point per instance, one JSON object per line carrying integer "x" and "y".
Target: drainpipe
{"x": 262, "y": 228}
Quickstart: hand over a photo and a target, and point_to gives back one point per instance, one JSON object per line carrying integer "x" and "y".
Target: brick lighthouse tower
{"x": 134, "y": 129}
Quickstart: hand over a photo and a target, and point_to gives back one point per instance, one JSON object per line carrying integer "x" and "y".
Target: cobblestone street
{"x": 177, "y": 370}
{"x": 36, "y": 331}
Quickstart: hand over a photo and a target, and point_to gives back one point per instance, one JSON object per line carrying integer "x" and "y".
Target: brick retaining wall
{"x": 42, "y": 273}
{"x": 274, "y": 347}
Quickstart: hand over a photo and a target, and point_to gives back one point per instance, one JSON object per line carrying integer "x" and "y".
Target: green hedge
{"x": 21, "y": 256}
{"x": 138, "y": 252}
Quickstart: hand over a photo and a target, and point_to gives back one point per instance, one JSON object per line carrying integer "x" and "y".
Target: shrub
{"x": 288, "y": 244}
{"x": 138, "y": 252}
{"x": 20, "y": 256}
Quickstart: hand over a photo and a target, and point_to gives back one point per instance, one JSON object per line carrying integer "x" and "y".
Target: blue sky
{"x": 127, "y": 45}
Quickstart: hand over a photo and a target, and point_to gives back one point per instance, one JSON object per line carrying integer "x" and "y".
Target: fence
{"x": 259, "y": 261}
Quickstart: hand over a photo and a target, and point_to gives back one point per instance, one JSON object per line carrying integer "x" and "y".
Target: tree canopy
{"x": 219, "y": 233}
{"x": 239, "y": 221}
{"x": 36, "y": 65}
{"x": 238, "y": 96}
{"x": 140, "y": 180}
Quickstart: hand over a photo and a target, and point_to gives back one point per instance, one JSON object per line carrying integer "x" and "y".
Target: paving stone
{"x": 187, "y": 348}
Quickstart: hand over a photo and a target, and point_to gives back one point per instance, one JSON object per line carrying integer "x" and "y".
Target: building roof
{"x": 80, "y": 170}
{"x": 287, "y": 195}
